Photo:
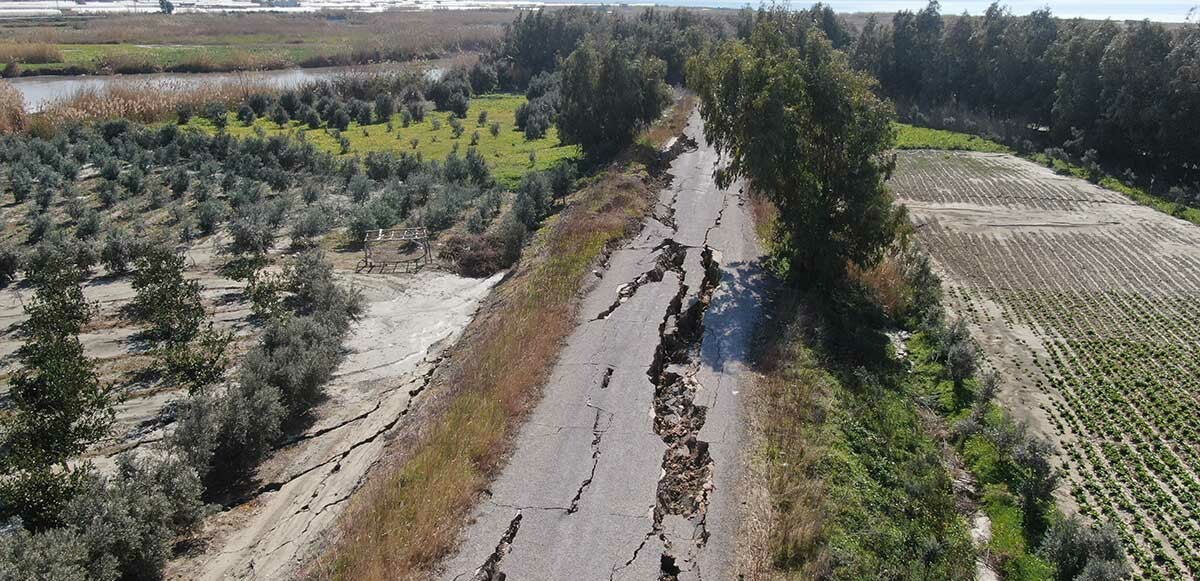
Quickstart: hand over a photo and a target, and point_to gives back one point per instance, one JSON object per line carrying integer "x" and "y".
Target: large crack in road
{"x": 626, "y": 468}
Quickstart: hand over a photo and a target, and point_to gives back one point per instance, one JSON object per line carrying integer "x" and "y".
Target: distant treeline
{"x": 1125, "y": 95}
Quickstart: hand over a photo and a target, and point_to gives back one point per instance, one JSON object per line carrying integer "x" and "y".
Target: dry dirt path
{"x": 627, "y": 469}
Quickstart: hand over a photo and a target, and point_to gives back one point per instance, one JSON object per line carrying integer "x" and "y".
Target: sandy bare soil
{"x": 410, "y": 321}
{"x": 111, "y": 339}
{"x": 1089, "y": 306}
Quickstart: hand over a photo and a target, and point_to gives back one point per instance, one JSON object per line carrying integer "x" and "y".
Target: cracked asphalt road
{"x": 627, "y": 469}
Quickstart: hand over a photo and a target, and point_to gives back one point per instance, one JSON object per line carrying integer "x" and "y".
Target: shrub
{"x": 246, "y": 115}
{"x": 477, "y": 168}
{"x": 179, "y": 180}
{"x": 313, "y": 223}
{"x": 359, "y": 188}
{"x": 198, "y": 363}
{"x": 385, "y": 106}
{"x": 1082, "y": 552}
{"x": 110, "y": 169}
{"x": 129, "y": 521}
{"x": 184, "y": 112}
{"x": 251, "y": 231}
{"x": 54, "y": 554}
{"x": 134, "y": 180}
{"x": 484, "y": 78}
{"x": 533, "y": 197}
{"x": 10, "y": 264}
{"x": 165, "y": 299}
{"x": 118, "y": 251}
{"x": 340, "y": 120}
{"x": 296, "y": 356}
{"x": 279, "y": 116}
{"x": 88, "y": 224}
{"x": 494, "y": 129}
{"x": 416, "y": 110}
{"x": 58, "y": 406}
{"x": 209, "y": 214}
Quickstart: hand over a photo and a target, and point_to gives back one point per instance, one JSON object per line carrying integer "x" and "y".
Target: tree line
{"x": 1124, "y": 95}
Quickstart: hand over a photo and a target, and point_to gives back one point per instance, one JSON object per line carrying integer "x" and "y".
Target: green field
{"x": 96, "y": 57}
{"x": 507, "y": 153}
{"x": 912, "y": 137}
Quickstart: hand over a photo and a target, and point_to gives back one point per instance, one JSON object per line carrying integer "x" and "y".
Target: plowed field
{"x": 1089, "y": 305}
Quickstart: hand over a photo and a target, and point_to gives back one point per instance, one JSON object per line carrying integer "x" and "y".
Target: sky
{"x": 1157, "y": 10}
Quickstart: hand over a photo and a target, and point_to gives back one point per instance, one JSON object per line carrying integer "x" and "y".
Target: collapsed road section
{"x": 627, "y": 467}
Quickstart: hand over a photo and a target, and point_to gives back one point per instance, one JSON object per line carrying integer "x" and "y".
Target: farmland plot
{"x": 1089, "y": 305}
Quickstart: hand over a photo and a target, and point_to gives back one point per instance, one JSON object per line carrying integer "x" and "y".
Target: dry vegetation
{"x": 144, "y": 102}
{"x": 408, "y": 517}
{"x": 216, "y": 42}
{"x": 12, "y": 109}
{"x": 1087, "y": 303}
{"x": 30, "y": 53}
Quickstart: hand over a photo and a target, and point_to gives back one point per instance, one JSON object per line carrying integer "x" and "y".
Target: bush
{"x": 1082, "y": 552}
{"x": 179, "y": 180}
{"x": 484, "y": 78}
{"x": 533, "y": 199}
{"x": 385, "y": 107}
{"x": 209, "y": 215}
{"x": 313, "y": 223}
{"x": 58, "y": 554}
{"x": 10, "y": 264}
{"x": 296, "y": 356}
{"x": 251, "y": 231}
{"x": 88, "y": 225}
{"x": 129, "y": 522}
{"x": 118, "y": 251}
{"x": 279, "y": 116}
{"x": 246, "y": 115}
{"x": 198, "y": 363}
{"x": 166, "y": 300}
{"x": 359, "y": 188}
{"x": 416, "y": 110}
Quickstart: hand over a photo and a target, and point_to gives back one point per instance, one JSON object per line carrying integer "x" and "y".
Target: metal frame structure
{"x": 393, "y": 248}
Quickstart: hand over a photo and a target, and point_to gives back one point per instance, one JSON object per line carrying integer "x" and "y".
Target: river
{"x": 41, "y": 91}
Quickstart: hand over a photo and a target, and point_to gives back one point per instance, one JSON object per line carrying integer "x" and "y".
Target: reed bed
{"x": 30, "y": 53}
{"x": 147, "y": 102}
{"x": 12, "y": 109}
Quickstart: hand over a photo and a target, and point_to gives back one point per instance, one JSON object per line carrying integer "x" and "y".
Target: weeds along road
{"x": 628, "y": 466}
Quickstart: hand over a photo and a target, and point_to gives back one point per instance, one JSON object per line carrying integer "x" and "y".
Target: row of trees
{"x": 1128, "y": 91}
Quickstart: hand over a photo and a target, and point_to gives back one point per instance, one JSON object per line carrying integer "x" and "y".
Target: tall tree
{"x": 607, "y": 95}
{"x": 59, "y": 405}
{"x": 809, "y": 133}
{"x": 1077, "y": 107}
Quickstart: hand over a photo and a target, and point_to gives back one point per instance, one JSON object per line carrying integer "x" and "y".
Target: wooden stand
{"x": 396, "y": 248}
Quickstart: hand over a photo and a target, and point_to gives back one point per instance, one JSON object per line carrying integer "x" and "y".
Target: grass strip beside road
{"x": 408, "y": 517}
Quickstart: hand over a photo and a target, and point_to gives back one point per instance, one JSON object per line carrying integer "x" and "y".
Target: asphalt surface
{"x": 627, "y": 469}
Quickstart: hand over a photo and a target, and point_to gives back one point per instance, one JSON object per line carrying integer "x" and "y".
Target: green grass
{"x": 912, "y": 137}
{"x": 507, "y": 153}
{"x": 1008, "y": 538}
{"x": 92, "y": 57}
